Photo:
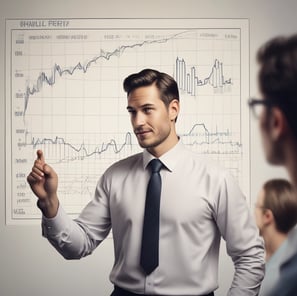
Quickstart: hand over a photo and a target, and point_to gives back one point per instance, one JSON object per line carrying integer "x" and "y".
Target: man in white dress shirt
{"x": 200, "y": 203}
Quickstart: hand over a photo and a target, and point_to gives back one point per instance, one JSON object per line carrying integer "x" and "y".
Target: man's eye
{"x": 131, "y": 111}
{"x": 147, "y": 110}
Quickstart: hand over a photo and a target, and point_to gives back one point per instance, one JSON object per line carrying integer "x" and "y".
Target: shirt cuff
{"x": 54, "y": 226}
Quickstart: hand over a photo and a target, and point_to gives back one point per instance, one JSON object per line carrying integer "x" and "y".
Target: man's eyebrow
{"x": 142, "y": 106}
{"x": 147, "y": 105}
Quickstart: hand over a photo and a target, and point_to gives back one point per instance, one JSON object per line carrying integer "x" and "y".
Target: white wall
{"x": 28, "y": 264}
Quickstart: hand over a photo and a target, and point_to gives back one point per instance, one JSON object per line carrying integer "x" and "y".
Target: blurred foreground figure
{"x": 278, "y": 125}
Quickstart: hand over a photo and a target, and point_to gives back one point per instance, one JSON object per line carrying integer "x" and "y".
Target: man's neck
{"x": 273, "y": 240}
{"x": 164, "y": 147}
{"x": 290, "y": 160}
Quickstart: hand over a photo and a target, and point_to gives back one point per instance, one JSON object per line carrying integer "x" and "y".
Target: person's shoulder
{"x": 126, "y": 164}
{"x": 291, "y": 264}
{"x": 207, "y": 169}
{"x": 205, "y": 162}
{"x": 287, "y": 284}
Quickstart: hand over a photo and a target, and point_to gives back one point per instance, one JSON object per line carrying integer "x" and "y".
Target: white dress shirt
{"x": 199, "y": 203}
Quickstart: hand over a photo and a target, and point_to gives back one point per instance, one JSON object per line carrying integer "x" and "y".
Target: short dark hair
{"x": 279, "y": 197}
{"x": 278, "y": 75}
{"x": 166, "y": 85}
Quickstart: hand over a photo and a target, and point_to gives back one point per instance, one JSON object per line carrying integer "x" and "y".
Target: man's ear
{"x": 173, "y": 109}
{"x": 268, "y": 217}
{"x": 278, "y": 123}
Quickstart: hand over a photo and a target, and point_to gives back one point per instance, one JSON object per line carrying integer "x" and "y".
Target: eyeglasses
{"x": 257, "y": 105}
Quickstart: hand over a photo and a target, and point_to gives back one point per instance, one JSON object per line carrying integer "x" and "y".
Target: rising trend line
{"x": 43, "y": 78}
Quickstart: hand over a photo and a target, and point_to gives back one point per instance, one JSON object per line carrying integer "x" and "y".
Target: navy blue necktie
{"x": 149, "y": 257}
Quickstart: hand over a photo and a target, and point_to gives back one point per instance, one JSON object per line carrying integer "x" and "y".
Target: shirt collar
{"x": 169, "y": 159}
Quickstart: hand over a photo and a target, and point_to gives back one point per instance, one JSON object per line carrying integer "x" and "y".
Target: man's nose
{"x": 139, "y": 119}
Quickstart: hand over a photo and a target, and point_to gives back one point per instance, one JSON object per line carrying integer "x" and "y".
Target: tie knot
{"x": 155, "y": 165}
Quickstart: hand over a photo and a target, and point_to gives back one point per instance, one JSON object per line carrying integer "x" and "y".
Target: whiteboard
{"x": 64, "y": 95}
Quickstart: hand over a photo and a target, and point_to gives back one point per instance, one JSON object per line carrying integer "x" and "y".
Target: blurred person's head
{"x": 278, "y": 85}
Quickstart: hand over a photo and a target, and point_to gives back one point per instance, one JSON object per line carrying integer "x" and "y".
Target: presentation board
{"x": 64, "y": 95}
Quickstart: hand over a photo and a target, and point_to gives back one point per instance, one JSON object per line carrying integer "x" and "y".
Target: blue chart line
{"x": 189, "y": 80}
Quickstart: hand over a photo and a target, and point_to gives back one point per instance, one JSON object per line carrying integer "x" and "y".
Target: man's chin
{"x": 144, "y": 145}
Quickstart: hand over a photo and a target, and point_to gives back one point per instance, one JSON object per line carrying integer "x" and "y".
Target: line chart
{"x": 189, "y": 81}
{"x": 57, "y": 70}
{"x": 64, "y": 96}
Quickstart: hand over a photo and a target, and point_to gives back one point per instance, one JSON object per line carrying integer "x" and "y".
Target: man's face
{"x": 272, "y": 145}
{"x": 153, "y": 123}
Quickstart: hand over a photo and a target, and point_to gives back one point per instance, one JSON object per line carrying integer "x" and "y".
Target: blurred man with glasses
{"x": 278, "y": 125}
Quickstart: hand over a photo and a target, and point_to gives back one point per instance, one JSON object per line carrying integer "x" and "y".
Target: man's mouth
{"x": 141, "y": 132}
